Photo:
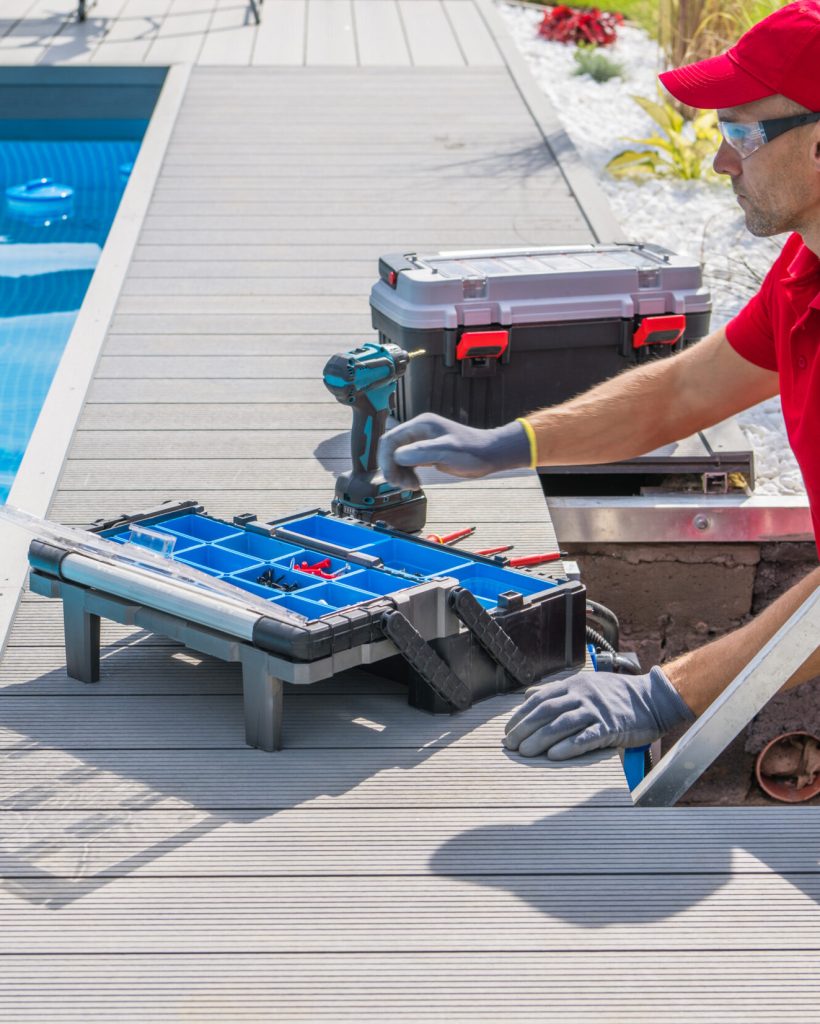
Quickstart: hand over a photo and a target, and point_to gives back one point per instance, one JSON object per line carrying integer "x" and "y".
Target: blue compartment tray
{"x": 366, "y": 563}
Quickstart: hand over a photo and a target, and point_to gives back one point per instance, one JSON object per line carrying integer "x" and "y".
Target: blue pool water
{"x": 46, "y": 263}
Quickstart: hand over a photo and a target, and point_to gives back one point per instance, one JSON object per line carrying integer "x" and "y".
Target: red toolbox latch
{"x": 482, "y": 344}
{"x": 659, "y": 330}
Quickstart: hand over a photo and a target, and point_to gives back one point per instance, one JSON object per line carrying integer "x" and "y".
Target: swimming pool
{"x": 47, "y": 258}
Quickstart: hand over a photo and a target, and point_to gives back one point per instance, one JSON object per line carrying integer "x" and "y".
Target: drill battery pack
{"x": 329, "y": 594}
{"x": 506, "y": 332}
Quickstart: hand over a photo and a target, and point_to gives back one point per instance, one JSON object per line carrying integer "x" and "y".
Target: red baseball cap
{"x": 778, "y": 56}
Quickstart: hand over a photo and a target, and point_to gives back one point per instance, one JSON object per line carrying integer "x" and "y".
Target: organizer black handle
{"x": 492, "y": 636}
{"x": 433, "y": 669}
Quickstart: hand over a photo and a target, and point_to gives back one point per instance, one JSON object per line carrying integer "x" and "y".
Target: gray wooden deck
{"x": 387, "y": 865}
{"x": 354, "y": 33}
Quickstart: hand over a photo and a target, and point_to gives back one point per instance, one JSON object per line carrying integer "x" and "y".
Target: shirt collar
{"x": 804, "y": 270}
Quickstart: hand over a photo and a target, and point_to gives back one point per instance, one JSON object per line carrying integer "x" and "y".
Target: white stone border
{"x": 42, "y": 464}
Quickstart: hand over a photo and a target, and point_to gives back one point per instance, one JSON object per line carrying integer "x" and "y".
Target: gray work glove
{"x": 568, "y": 717}
{"x": 431, "y": 440}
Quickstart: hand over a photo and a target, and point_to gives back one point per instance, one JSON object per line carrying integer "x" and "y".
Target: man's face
{"x": 778, "y": 186}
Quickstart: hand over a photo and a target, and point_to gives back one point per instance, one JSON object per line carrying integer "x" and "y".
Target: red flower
{"x": 568, "y": 25}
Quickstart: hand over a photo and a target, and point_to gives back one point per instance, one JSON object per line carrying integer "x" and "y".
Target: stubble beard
{"x": 765, "y": 223}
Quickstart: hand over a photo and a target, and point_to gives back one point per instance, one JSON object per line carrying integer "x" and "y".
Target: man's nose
{"x": 727, "y": 160}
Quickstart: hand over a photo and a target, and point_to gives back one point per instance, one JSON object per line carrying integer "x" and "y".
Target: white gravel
{"x": 698, "y": 218}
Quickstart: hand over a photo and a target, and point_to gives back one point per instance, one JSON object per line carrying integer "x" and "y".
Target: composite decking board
{"x": 29, "y": 37}
{"x": 510, "y": 913}
{"x": 228, "y": 417}
{"x": 230, "y": 36}
{"x": 380, "y": 34}
{"x": 738, "y": 987}
{"x": 280, "y": 37}
{"x": 182, "y": 32}
{"x": 280, "y": 308}
{"x": 198, "y": 390}
{"x": 318, "y": 284}
{"x": 189, "y": 475}
{"x": 87, "y": 719}
{"x": 475, "y": 41}
{"x": 572, "y": 235}
{"x": 430, "y": 35}
{"x": 331, "y": 36}
{"x": 530, "y": 537}
{"x": 436, "y": 841}
{"x": 137, "y": 346}
{"x": 92, "y": 780}
{"x": 385, "y": 220}
{"x": 302, "y": 443}
{"x": 77, "y": 43}
{"x": 226, "y": 271}
{"x": 129, "y": 38}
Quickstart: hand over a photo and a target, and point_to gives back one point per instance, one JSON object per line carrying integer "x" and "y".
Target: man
{"x": 766, "y": 90}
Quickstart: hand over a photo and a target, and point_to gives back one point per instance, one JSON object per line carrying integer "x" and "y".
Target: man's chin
{"x": 760, "y": 228}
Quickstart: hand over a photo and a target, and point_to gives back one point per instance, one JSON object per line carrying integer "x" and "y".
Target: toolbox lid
{"x": 447, "y": 290}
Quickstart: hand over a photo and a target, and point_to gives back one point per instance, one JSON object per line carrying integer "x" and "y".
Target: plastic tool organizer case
{"x": 509, "y": 331}
{"x": 464, "y": 626}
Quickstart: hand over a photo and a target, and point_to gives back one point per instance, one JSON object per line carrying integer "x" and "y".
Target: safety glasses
{"x": 748, "y": 136}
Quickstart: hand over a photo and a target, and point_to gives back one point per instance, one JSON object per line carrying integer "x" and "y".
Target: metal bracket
{"x": 795, "y": 641}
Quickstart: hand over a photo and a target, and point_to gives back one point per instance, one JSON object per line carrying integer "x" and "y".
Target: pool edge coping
{"x": 40, "y": 470}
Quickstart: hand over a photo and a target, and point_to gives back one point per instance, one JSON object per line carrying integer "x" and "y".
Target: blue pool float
{"x": 40, "y": 197}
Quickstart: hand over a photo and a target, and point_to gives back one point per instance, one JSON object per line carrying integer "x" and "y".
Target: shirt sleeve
{"x": 751, "y": 333}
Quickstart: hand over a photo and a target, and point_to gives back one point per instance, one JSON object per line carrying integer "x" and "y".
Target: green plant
{"x": 597, "y": 65}
{"x": 691, "y": 30}
{"x": 684, "y": 150}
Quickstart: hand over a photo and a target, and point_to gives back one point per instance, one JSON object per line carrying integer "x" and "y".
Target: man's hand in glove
{"x": 431, "y": 440}
{"x": 569, "y": 717}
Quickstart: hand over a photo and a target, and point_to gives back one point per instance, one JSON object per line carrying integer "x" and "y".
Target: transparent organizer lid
{"x": 463, "y": 266}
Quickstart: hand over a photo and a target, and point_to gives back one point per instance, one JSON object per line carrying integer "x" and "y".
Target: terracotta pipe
{"x": 788, "y": 768}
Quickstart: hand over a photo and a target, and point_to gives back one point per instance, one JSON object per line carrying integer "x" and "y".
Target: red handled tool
{"x": 451, "y": 538}
{"x": 528, "y": 560}
{"x": 318, "y": 569}
{"x": 494, "y": 551}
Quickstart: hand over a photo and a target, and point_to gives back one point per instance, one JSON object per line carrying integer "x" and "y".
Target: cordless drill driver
{"x": 365, "y": 379}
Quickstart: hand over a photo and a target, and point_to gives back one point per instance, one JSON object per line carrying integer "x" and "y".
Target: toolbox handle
{"x": 492, "y": 636}
{"x": 433, "y": 669}
{"x": 326, "y": 548}
{"x": 659, "y": 330}
{"x": 482, "y": 344}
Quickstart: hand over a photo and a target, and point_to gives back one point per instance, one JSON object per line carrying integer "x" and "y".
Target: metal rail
{"x": 655, "y": 519}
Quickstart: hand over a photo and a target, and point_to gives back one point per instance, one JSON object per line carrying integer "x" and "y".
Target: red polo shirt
{"x": 779, "y": 329}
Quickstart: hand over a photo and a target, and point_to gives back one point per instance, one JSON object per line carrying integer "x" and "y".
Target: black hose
{"x": 600, "y": 641}
{"x": 605, "y": 621}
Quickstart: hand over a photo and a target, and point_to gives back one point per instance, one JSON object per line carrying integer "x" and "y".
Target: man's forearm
{"x": 651, "y": 405}
{"x": 702, "y": 675}
{"x": 615, "y": 420}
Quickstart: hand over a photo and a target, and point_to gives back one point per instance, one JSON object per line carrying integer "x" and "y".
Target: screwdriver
{"x": 529, "y": 560}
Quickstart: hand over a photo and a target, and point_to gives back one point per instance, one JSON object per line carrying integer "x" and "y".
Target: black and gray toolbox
{"x": 455, "y": 626}
{"x": 506, "y": 332}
